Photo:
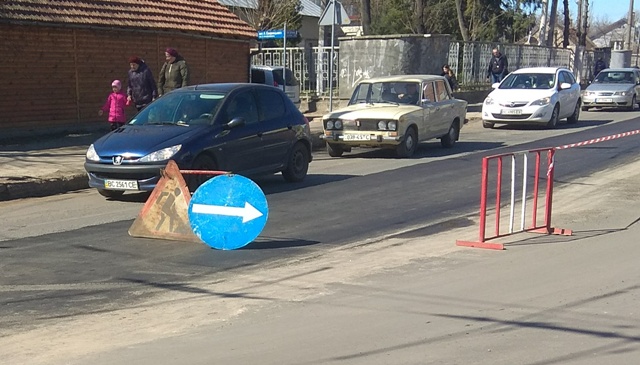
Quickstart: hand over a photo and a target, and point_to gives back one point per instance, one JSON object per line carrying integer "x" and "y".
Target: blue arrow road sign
{"x": 228, "y": 212}
{"x": 276, "y": 34}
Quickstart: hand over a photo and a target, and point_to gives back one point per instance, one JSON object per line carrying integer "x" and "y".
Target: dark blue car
{"x": 248, "y": 129}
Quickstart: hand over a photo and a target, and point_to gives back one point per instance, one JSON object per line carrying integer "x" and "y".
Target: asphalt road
{"x": 93, "y": 268}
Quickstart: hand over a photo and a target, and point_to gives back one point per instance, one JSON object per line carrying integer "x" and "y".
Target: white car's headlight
{"x": 92, "y": 155}
{"x": 621, "y": 93}
{"x": 338, "y": 124}
{"x": 382, "y": 125}
{"x": 392, "y": 125}
{"x": 488, "y": 101}
{"x": 161, "y": 155}
{"x": 329, "y": 124}
{"x": 542, "y": 102}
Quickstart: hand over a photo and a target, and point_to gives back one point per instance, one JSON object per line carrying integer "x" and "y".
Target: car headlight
{"x": 621, "y": 93}
{"x": 542, "y": 102}
{"x": 161, "y": 155}
{"x": 589, "y": 93}
{"x": 337, "y": 124}
{"x": 92, "y": 155}
{"x": 382, "y": 125}
{"x": 488, "y": 101}
{"x": 392, "y": 125}
{"x": 329, "y": 124}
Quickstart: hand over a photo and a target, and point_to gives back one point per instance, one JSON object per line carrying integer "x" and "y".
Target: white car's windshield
{"x": 386, "y": 92}
{"x": 529, "y": 81}
{"x": 614, "y": 77}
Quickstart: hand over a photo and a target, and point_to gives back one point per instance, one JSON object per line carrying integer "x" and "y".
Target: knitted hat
{"x": 116, "y": 83}
{"x": 172, "y": 52}
{"x": 135, "y": 59}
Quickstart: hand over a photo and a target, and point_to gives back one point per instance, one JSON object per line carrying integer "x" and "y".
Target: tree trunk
{"x": 579, "y": 24}
{"x": 365, "y": 16}
{"x": 567, "y": 24}
{"x": 552, "y": 23}
{"x": 463, "y": 28}
{"x": 419, "y": 18}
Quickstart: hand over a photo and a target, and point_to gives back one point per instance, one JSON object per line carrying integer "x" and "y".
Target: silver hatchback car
{"x": 613, "y": 87}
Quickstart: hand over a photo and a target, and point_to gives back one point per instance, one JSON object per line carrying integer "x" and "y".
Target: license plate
{"x": 605, "y": 100}
{"x": 121, "y": 184}
{"x": 356, "y": 137}
{"x": 511, "y": 111}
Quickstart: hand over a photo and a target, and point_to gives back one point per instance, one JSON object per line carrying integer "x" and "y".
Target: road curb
{"x": 43, "y": 187}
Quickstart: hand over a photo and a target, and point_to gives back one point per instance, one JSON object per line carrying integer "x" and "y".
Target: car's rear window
{"x": 291, "y": 79}
{"x": 181, "y": 108}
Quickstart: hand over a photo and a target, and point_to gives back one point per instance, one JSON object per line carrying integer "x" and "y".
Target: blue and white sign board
{"x": 276, "y": 34}
{"x": 228, "y": 212}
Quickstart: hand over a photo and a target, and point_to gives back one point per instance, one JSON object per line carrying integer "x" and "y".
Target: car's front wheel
{"x": 585, "y": 108}
{"x": 111, "y": 193}
{"x": 553, "y": 122}
{"x": 449, "y": 139}
{"x": 334, "y": 150}
{"x": 633, "y": 104}
{"x": 202, "y": 162}
{"x": 486, "y": 124}
{"x": 573, "y": 118}
{"x": 298, "y": 164}
{"x": 409, "y": 144}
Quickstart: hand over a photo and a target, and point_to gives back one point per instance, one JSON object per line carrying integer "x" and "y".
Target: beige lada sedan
{"x": 396, "y": 112}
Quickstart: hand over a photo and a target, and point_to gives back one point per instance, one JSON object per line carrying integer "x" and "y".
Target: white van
{"x": 273, "y": 75}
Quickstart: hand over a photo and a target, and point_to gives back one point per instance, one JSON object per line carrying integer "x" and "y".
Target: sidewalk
{"x": 53, "y": 164}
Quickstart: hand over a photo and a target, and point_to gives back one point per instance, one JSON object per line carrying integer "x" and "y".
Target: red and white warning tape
{"x": 596, "y": 140}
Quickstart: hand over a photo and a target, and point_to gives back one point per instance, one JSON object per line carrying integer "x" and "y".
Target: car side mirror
{"x": 565, "y": 86}
{"x": 495, "y": 86}
{"x": 235, "y": 123}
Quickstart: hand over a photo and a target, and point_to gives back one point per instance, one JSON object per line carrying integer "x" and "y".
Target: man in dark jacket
{"x": 599, "y": 66}
{"x": 498, "y": 66}
{"x": 141, "y": 88}
{"x": 174, "y": 74}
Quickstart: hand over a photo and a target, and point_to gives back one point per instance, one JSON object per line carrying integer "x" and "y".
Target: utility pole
{"x": 629, "y": 26}
{"x": 542, "y": 32}
{"x": 579, "y": 24}
{"x": 585, "y": 22}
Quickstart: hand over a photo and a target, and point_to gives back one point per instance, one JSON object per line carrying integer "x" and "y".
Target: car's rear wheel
{"x": 553, "y": 122}
{"x": 409, "y": 144}
{"x": 111, "y": 193}
{"x": 449, "y": 139}
{"x": 202, "y": 162}
{"x": 487, "y": 124}
{"x": 576, "y": 114}
{"x": 585, "y": 108}
{"x": 298, "y": 164}
{"x": 334, "y": 150}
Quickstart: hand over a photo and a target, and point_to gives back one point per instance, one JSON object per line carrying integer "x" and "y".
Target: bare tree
{"x": 365, "y": 14}
{"x": 419, "y": 19}
{"x": 567, "y": 24}
{"x": 463, "y": 28}
{"x": 552, "y": 24}
{"x": 272, "y": 13}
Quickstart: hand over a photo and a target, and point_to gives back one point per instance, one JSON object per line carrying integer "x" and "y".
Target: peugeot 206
{"x": 247, "y": 129}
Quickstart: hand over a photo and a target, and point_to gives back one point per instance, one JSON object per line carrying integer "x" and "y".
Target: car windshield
{"x": 193, "y": 108}
{"x": 614, "y": 77}
{"x": 386, "y": 92}
{"x": 529, "y": 81}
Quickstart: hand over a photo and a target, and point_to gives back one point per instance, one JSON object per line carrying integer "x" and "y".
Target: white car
{"x": 537, "y": 95}
{"x": 276, "y": 76}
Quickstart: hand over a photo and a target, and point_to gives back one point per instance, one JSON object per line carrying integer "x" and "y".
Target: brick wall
{"x": 54, "y": 76}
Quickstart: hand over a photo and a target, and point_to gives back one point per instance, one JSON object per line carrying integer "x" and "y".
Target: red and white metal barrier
{"x": 535, "y": 198}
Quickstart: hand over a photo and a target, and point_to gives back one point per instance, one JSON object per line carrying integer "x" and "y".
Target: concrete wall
{"x": 371, "y": 56}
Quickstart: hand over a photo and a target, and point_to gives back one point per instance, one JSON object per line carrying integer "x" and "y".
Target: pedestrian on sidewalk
{"x": 115, "y": 104}
{"x": 498, "y": 66}
{"x": 448, "y": 74}
{"x": 174, "y": 73}
{"x": 141, "y": 86}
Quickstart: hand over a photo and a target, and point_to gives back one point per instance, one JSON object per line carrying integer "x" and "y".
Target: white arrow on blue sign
{"x": 228, "y": 212}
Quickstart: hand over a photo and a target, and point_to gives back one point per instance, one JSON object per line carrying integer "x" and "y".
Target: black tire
{"x": 488, "y": 125}
{"x": 298, "y": 164}
{"x": 409, "y": 144}
{"x": 553, "y": 122}
{"x": 335, "y": 150}
{"x": 632, "y": 107}
{"x": 585, "y": 108}
{"x": 202, "y": 162}
{"x": 449, "y": 139}
{"x": 111, "y": 193}
{"x": 573, "y": 118}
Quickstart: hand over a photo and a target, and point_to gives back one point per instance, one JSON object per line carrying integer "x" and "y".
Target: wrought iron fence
{"x": 469, "y": 61}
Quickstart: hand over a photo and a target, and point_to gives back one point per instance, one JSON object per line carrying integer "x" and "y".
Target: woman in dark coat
{"x": 141, "y": 88}
{"x": 174, "y": 74}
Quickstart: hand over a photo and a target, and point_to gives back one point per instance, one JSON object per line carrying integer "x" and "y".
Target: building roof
{"x": 195, "y": 16}
{"x": 309, "y": 8}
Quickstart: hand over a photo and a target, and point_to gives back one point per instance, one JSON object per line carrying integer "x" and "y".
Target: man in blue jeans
{"x": 498, "y": 66}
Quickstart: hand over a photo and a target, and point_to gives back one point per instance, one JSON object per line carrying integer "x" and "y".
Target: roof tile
{"x": 197, "y": 16}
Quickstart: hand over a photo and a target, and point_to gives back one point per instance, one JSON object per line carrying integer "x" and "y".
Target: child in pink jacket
{"x": 115, "y": 105}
